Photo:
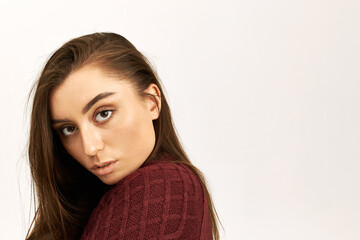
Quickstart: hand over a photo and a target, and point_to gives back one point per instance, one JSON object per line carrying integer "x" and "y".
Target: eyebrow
{"x": 95, "y": 100}
{"x": 55, "y": 121}
{"x": 87, "y": 106}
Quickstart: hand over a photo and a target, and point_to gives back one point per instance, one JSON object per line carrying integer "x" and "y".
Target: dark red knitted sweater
{"x": 160, "y": 200}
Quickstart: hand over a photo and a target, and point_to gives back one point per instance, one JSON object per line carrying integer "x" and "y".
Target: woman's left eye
{"x": 103, "y": 115}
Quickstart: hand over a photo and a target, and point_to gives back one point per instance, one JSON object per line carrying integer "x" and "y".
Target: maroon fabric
{"x": 161, "y": 200}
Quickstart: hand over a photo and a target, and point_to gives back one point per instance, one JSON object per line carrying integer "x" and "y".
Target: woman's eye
{"x": 103, "y": 115}
{"x": 67, "y": 131}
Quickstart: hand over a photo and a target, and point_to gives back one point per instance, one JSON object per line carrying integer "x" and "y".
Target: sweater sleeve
{"x": 160, "y": 201}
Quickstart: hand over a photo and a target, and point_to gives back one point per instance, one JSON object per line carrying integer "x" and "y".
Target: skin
{"x": 116, "y": 129}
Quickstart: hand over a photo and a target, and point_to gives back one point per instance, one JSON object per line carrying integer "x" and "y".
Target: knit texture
{"x": 160, "y": 200}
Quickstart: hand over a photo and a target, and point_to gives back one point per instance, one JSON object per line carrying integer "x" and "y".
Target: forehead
{"x": 89, "y": 79}
{"x": 83, "y": 85}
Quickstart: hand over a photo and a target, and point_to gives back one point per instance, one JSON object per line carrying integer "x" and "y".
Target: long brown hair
{"x": 64, "y": 189}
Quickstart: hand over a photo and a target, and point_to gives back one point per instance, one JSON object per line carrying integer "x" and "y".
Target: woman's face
{"x": 103, "y": 123}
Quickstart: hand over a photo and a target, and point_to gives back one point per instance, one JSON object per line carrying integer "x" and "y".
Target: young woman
{"x": 105, "y": 159}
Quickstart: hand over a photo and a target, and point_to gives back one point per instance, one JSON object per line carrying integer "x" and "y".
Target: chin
{"x": 109, "y": 180}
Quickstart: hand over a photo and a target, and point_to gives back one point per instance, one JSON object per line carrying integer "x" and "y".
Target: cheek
{"x": 75, "y": 150}
{"x": 128, "y": 133}
{"x": 132, "y": 134}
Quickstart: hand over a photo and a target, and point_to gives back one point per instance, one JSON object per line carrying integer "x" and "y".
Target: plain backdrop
{"x": 264, "y": 95}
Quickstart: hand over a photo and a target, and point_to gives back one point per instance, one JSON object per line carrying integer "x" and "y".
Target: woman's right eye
{"x": 67, "y": 131}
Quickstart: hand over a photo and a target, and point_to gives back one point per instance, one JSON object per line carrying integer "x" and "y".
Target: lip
{"x": 100, "y": 170}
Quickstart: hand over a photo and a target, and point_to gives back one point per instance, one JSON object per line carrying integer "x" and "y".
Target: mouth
{"x": 105, "y": 168}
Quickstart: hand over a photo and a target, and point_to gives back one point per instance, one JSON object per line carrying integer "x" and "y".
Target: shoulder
{"x": 167, "y": 172}
{"x": 161, "y": 198}
{"x": 160, "y": 177}
{"x": 169, "y": 186}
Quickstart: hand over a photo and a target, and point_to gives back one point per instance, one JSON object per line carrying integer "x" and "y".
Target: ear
{"x": 154, "y": 102}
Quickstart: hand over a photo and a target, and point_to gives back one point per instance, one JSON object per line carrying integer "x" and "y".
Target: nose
{"x": 91, "y": 141}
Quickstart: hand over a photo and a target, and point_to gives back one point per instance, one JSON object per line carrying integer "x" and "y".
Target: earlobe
{"x": 154, "y": 100}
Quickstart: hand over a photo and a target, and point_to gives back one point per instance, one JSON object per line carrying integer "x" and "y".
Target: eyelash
{"x": 102, "y": 111}
{"x": 111, "y": 111}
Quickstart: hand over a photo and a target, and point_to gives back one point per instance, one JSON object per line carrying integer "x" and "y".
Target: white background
{"x": 265, "y": 97}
